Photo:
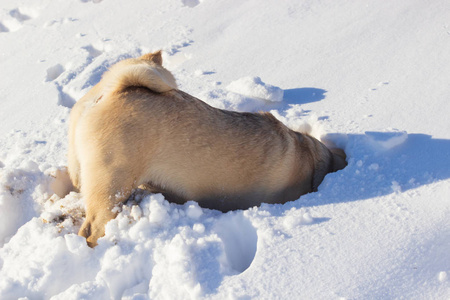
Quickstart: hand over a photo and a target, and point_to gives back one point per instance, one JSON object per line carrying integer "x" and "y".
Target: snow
{"x": 254, "y": 87}
{"x": 368, "y": 76}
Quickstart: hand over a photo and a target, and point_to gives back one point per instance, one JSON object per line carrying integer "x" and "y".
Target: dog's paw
{"x": 92, "y": 232}
{"x": 93, "y": 227}
{"x": 85, "y": 231}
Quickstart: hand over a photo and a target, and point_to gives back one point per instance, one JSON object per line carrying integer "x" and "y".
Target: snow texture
{"x": 370, "y": 77}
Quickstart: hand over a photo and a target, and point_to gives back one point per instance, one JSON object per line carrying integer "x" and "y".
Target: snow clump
{"x": 254, "y": 87}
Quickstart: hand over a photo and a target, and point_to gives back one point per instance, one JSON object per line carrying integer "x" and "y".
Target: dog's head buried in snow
{"x": 136, "y": 128}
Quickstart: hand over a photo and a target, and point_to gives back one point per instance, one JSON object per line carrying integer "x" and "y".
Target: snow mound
{"x": 18, "y": 187}
{"x": 254, "y": 87}
{"x": 387, "y": 140}
{"x": 26, "y": 191}
{"x": 149, "y": 248}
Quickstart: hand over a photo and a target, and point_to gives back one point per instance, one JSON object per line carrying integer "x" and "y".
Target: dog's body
{"x": 136, "y": 128}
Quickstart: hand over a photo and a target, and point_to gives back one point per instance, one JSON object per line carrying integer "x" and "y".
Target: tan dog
{"x": 136, "y": 128}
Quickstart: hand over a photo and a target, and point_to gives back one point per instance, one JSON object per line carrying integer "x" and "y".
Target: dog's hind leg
{"x": 73, "y": 164}
{"x": 102, "y": 191}
{"x": 73, "y": 167}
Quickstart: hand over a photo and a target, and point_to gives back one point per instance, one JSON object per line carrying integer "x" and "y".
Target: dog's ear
{"x": 154, "y": 57}
{"x": 339, "y": 157}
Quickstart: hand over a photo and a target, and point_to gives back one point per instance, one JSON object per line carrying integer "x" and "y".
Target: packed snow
{"x": 371, "y": 77}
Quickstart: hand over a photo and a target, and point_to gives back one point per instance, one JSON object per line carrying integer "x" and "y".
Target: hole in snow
{"x": 190, "y": 3}
{"x": 16, "y": 14}
{"x": 64, "y": 99}
{"x": 92, "y": 51}
{"x": 3, "y": 28}
{"x": 54, "y": 72}
{"x": 94, "y": 1}
{"x": 239, "y": 238}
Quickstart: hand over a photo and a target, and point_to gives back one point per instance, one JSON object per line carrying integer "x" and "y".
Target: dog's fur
{"x": 136, "y": 128}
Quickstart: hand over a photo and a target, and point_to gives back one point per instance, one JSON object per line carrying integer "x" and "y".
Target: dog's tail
{"x": 146, "y": 71}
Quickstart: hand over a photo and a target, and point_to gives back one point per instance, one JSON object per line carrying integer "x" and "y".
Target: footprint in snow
{"x": 54, "y": 72}
{"x": 190, "y": 3}
{"x": 14, "y": 19}
{"x": 239, "y": 238}
{"x": 3, "y": 28}
{"x": 57, "y": 22}
{"x": 21, "y": 17}
{"x": 93, "y": 1}
{"x": 92, "y": 51}
{"x": 64, "y": 99}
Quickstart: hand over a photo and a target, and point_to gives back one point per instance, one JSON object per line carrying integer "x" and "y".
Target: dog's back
{"x": 191, "y": 151}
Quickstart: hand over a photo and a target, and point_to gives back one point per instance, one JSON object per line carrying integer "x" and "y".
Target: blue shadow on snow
{"x": 303, "y": 95}
{"x": 374, "y": 171}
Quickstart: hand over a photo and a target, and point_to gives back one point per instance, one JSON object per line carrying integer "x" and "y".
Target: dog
{"x": 136, "y": 128}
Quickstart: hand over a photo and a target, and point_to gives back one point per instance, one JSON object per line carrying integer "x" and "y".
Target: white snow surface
{"x": 370, "y": 76}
